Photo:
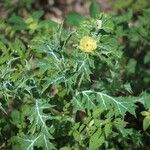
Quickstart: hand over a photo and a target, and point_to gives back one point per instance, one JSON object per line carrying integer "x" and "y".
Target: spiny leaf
{"x": 28, "y": 142}
{"x": 91, "y": 99}
{"x": 144, "y": 98}
{"x": 40, "y": 131}
{"x": 38, "y": 118}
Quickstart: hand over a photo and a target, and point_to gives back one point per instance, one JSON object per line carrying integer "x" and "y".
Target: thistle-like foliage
{"x": 65, "y": 90}
{"x": 39, "y": 130}
{"x": 29, "y": 142}
{"x": 91, "y": 100}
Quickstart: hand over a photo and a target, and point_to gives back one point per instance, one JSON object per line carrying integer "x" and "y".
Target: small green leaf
{"x": 65, "y": 148}
{"x": 108, "y": 129}
{"x": 127, "y": 86}
{"x": 19, "y": 27}
{"x": 108, "y": 26}
{"x": 94, "y": 9}
{"x": 131, "y": 66}
{"x": 16, "y": 117}
{"x": 146, "y": 123}
{"x": 96, "y": 140}
{"x": 147, "y": 58}
{"x": 73, "y": 19}
{"x": 37, "y": 14}
{"x": 145, "y": 113}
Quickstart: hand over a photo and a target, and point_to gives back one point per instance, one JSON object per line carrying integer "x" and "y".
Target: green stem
{"x": 80, "y": 81}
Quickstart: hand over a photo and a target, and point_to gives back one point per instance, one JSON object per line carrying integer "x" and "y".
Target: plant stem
{"x": 80, "y": 81}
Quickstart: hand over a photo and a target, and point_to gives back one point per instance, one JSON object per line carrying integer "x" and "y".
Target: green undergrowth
{"x": 53, "y": 95}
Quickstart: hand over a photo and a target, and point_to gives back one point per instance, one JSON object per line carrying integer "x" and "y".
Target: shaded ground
{"x": 53, "y": 9}
{"x": 62, "y": 7}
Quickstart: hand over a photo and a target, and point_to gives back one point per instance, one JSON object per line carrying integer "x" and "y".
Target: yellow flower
{"x": 87, "y": 44}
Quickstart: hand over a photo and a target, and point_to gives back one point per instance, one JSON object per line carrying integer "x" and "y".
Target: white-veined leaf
{"x": 38, "y": 118}
{"x": 91, "y": 99}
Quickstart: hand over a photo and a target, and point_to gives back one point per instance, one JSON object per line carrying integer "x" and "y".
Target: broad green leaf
{"x": 16, "y": 19}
